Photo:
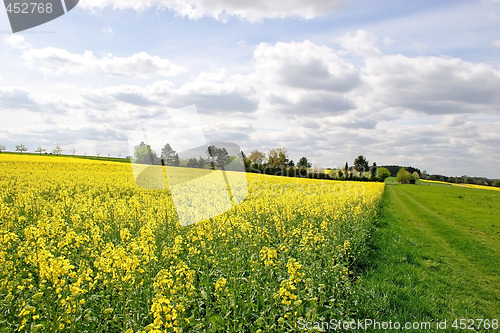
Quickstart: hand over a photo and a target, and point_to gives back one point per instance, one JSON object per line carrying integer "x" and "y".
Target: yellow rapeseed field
{"x": 478, "y": 187}
{"x": 84, "y": 249}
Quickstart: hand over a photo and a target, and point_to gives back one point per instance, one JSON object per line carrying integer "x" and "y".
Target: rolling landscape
{"x": 199, "y": 166}
{"x": 84, "y": 248}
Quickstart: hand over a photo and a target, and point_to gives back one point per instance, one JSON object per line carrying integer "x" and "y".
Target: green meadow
{"x": 434, "y": 255}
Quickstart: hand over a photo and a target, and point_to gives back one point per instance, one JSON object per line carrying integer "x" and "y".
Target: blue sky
{"x": 413, "y": 83}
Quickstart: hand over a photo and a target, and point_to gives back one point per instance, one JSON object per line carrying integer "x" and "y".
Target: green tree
{"x": 346, "y": 169}
{"x": 257, "y": 157}
{"x": 278, "y": 158}
{"x": 192, "y": 163}
{"x": 304, "y": 163}
{"x": 21, "y": 148}
{"x": 218, "y": 157}
{"x": 40, "y": 150}
{"x": 361, "y": 164}
{"x": 144, "y": 154}
{"x": 403, "y": 176}
{"x": 383, "y": 173}
{"x": 169, "y": 156}
{"x": 202, "y": 162}
{"x": 415, "y": 175}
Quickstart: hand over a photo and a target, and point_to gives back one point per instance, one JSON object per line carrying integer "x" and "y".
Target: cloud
{"x": 217, "y": 92}
{"x": 496, "y": 43}
{"x": 17, "y": 42}
{"x": 223, "y": 9}
{"x": 58, "y": 62}
{"x": 305, "y": 65}
{"x": 319, "y": 104}
{"x": 303, "y": 78}
{"x": 433, "y": 85}
{"x": 362, "y": 43}
{"x": 15, "y": 98}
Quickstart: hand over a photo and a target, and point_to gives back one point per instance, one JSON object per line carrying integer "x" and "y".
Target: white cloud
{"x": 53, "y": 61}
{"x": 433, "y": 85}
{"x": 303, "y": 78}
{"x": 496, "y": 43}
{"x": 17, "y": 42}
{"x": 305, "y": 65}
{"x": 223, "y": 9}
{"x": 58, "y": 62}
{"x": 362, "y": 43}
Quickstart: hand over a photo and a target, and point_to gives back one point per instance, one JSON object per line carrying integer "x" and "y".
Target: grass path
{"x": 436, "y": 255}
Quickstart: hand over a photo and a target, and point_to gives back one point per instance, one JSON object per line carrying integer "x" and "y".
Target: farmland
{"x": 84, "y": 249}
{"x": 435, "y": 255}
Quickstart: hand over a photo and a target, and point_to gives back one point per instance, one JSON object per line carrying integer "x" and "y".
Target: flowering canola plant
{"x": 83, "y": 248}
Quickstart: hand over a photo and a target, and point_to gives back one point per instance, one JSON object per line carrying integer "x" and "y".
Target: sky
{"x": 407, "y": 83}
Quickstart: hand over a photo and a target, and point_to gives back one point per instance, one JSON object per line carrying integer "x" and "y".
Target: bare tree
{"x": 2, "y": 148}
{"x": 40, "y": 150}
{"x": 21, "y": 148}
{"x": 58, "y": 150}
{"x": 73, "y": 151}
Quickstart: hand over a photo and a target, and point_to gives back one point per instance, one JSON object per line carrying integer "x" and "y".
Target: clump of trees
{"x": 394, "y": 169}
{"x": 144, "y": 154}
{"x": 218, "y": 157}
{"x": 404, "y": 176}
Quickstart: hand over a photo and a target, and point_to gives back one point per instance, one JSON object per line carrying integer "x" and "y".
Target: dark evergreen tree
{"x": 361, "y": 164}
{"x": 304, "y": 163}
{"x": 169, "y": 156}
{"x": 373, "y": 170}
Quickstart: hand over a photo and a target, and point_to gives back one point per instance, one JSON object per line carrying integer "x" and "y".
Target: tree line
{"x": 216, "y": 158}
{"x": 22, "y": 149}
{"x": 275, "y": 162}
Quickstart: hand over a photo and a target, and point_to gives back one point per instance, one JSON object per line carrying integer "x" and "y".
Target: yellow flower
{"x": 220, "y": 284}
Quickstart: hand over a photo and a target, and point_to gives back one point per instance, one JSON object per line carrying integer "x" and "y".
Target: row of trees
{"x": 216, "y": 157}
{"x": 462, "y": 179}
{"x": 22, "y": 149}
{"x": 277, "y": 162}
{"x": 58, "y": 150}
